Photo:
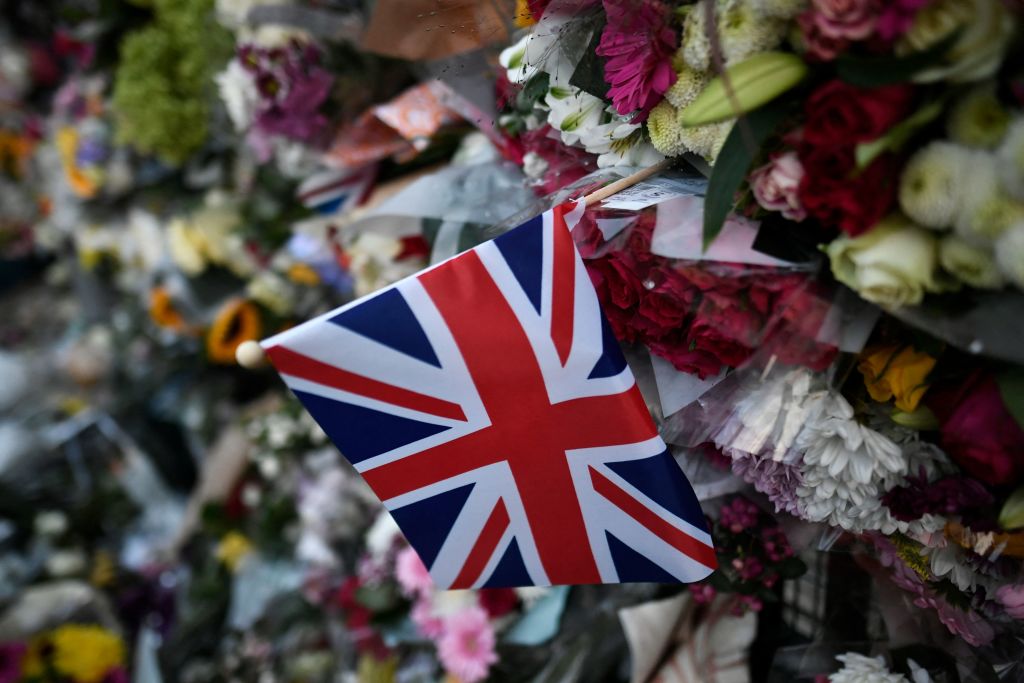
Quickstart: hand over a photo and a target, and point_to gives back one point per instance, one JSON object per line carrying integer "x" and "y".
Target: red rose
{"x": 842, "y": 199}
{"x": 617, "y": 290}
{"x": 977, "y": 431}
{"x": 842, "y": 114}
{"x": 498, "y": 601}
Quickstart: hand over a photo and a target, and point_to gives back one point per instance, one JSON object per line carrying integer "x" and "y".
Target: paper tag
{"x": 650, "y": 192}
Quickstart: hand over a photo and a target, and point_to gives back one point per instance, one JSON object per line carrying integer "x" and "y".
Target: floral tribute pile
{"x": 820, "y": 297}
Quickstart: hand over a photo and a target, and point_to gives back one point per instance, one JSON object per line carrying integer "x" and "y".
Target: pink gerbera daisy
{"x": 637, "y": 43}
{"x": 466, "y": 649}
{"x": 412, "y": 575}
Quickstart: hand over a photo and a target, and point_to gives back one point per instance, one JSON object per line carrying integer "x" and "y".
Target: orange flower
{"x": 302, "y": 274}
{"x": 524, "y": 17}
{"x": 162, "y": 311}
{"x": 896, "y": 372}
{"x": 237, "y": 321}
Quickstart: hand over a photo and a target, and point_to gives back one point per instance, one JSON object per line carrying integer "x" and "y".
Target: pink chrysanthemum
{"x": 412, "y": 575}
{"x": 466, "y": 649}
{"x": 427, "y": 623}
{"x": 638, "y": 43}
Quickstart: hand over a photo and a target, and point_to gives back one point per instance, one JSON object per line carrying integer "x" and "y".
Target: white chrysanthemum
{"x": 1010, "y": 159}
{"x": 985, "y": 212}
{"x": 778, "y": 9}
{"x": 846, "y": 467}
{"x": 743, "y": 33}
{"x": 978, "y": 119}
{"x": 1009, "y": 250}
{"x": 859, "y": 668}
{"x": 689, "y": 83}
{"x": 948, "y": 561}
{"x": 706, "y": 141}
{"x": 931, "y": 182}
{"x": 974, "y": 266}
{"x": 695, "y": 47}
{"x": 663, "y": 127}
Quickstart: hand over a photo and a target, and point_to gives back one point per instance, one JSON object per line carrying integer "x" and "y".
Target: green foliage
{"x": 163, "y": 84}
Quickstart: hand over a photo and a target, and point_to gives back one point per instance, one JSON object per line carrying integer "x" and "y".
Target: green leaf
{"x": 532, "y": 92}
{"x": 898, "y": 135}
{"x": 734, "y": 161}
{"x": 872, "y": 72}
{"x": 1011, "y": 386}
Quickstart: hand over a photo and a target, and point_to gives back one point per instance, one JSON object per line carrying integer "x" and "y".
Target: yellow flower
{"x": 302, "y": 274}
{"x": 86, "y": 654}
{"x": 103, "y": 570}
{"x": 894, "y": 371}
{"x": 82, "y": 184}
{"x": 524, "y": 17}
{"x": 233, "y": 548}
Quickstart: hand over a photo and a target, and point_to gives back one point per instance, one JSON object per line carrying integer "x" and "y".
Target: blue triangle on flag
{"x": 523, "y": 249}
{"x": 661, "y": 480}
{"x": 330, "y": 206}
{"x": 361, "y": 433}
{"x": 387, "y": 319}
{"x": 632, "y": 567}
{"x": 426, "y": 523}
{"x": 511, "y": 570}
{"x": 611, "y": 362}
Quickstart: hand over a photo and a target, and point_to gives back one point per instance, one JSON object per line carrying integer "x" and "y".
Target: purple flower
{"x": 1011, "y": 597}
{"x": 11, "y": 655}
{"x": 947, "y": 496}
{"x": 776, "y": 480}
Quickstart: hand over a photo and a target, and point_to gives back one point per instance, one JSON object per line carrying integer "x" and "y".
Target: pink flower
{"x": 466, "y": 649}
{"x": 427, "y": 623}
{"x": 897, "y": 17}
{"x": 638, "y": 44}
{"x": 776, "y": 186}
{"x": 412, "y": 575}
{"x": 703, "y": 593}
{"x": 1011, "y": 597}
{"x": 828, "y": 26}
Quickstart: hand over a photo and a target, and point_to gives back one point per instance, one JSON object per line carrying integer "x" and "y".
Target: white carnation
{"x": 859, "y": 668}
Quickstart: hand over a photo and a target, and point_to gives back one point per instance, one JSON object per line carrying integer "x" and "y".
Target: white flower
{"x": 974, "y": 266}
{"x": 237, "y": 89}
{"x": 65, "y": 562}
{"x": 373, "y": 265}
{"x": 985, "y": 212}
{"x": 619, "y": 143}
{"x": 531, "y": 594}
{"x": 573, "y": 112}
{"x": 931, "y": 184}
{"x": 51, "y": 523}
{"x": 858, "y": 668}
{"x": 742, "y": 31}
{"x": 985, "y": 27}
{"x": 382, "y": 534}
{"x": 1010, "y": 159}
{"x": 689, "y": 83}
{"x": 947, "y": 561}
{"x": 537, "y": 51}
{"x": 891, "y": 265}
{"x": 978, "y": 119}
{"x": 534, "y": 166}
{"x": 273, "y": 291}
{"x": 1009, "y": 250}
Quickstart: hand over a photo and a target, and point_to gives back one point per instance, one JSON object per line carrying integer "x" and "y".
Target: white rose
{"x": 893, "y": 265}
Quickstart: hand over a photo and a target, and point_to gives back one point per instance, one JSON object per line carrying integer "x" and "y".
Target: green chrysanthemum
{"x": 974, "y": 266}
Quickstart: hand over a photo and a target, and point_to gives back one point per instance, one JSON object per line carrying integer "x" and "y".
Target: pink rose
{"x": 776, "y": 186}
{"x": 850, "y": 19}
{"x": 828, "y": 26}
{"x": 1012, "y": 600}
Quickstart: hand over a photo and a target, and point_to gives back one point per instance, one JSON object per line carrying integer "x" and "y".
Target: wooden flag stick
{"x": 622, "y": 183}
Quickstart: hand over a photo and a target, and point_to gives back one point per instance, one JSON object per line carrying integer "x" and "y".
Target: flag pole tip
{"x": 249, "y": 354}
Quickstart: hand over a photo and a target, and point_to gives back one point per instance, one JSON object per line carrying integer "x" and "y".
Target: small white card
{"x": 654, "y": 191}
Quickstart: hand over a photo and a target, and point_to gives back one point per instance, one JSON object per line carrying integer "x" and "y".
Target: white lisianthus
{"x": 1010, "y": 159}
{"x": 893, "y": 265}
{"x": 974, "y": 266}
{"x": 930, "y": 185}
{"x": 979, "y": 119}
{"x": 1009, "y": 249}
{"x": 985, "y": 26}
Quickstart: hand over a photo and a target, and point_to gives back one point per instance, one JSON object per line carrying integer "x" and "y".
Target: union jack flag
{"x": 488, "y": 405}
